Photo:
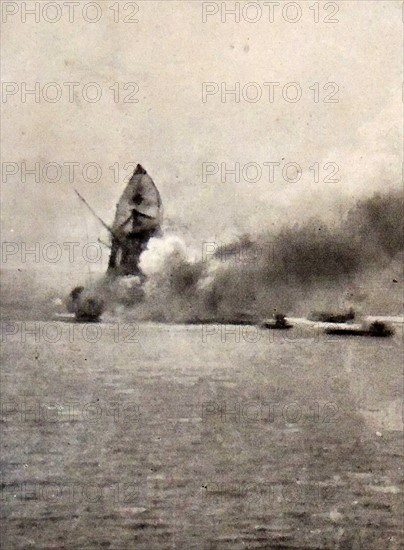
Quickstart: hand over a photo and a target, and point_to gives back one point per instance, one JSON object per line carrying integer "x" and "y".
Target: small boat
{"x": 375, "y": 329}
{"x": 279, "y": 323}
{"x": 327, "y": 317}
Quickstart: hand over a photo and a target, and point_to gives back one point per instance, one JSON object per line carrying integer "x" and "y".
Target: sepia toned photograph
{"x": 202, "y": 268}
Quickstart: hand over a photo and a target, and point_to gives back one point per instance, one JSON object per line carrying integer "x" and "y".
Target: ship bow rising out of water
{"x": 138, "y": 218}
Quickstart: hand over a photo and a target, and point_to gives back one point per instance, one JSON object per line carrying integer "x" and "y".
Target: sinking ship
{"x": 138, "y": 218}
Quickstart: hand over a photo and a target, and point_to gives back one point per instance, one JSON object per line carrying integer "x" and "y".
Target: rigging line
{"x": 90, "y": 273}
{"x": 83, "y": 200}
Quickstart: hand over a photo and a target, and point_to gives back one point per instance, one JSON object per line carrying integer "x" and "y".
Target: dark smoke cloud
{"x": 299, "y": 268}
{"x": 310, "y": 262}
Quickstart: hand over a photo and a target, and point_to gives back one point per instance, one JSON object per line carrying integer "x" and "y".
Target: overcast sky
{"x": 169, "y": 53}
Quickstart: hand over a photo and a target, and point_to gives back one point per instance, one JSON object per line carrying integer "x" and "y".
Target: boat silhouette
{"x": 376, "y": 329}
{"x": 279, "y": 322}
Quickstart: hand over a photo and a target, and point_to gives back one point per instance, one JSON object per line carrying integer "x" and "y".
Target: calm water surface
{"x": 157, "y": 436}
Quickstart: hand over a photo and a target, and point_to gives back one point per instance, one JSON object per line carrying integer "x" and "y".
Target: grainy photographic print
{"x": 202, "y": 275}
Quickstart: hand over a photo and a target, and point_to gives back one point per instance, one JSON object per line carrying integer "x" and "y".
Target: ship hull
{"x": 358, "y": 332}
{"x": 273, "y": 325}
